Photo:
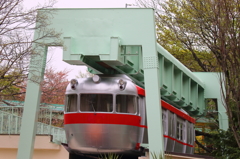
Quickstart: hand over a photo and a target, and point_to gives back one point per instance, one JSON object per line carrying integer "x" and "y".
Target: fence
{"x": 49, "y": 122}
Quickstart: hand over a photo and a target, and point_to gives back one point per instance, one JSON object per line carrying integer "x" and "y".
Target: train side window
{"x": 126, "y": 104}
{"x": 71, "y": 103}
{"x": 179, "y": 130}
{"x": 96, "y": 102}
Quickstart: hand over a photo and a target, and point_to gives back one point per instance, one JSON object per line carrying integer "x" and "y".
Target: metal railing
{"x": 11, "y": 119}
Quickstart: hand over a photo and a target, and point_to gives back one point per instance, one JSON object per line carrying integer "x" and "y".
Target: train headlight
{"x": 122, "y": 84}
{"x": 96, "y": 79}
{"x": 73, "y": 83}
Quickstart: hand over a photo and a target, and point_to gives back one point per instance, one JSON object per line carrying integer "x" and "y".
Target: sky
{"x": 54, "y": 59}
{"x": 83, "y": 3}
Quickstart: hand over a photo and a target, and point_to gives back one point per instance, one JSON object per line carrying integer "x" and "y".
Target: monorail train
{"x": 107, "y": 114}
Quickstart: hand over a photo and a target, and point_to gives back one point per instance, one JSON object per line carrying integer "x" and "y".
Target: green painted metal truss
{"x": 178, "y": 84}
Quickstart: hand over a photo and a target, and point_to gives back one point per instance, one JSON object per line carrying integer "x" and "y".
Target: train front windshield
{"x": 96, "y": 102}
{"x": 126, "y": 104}
{"x": 101, "y": 103}
{"x": 71, "y": 103}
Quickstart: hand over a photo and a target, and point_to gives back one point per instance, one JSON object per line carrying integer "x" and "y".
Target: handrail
{"x": 11, "y": 119}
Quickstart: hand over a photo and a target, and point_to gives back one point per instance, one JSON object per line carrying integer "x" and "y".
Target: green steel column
{"x": 31, "y": 105}
{"x": 154, "y": 111}
{"x": 213, "y": 91}
{"x": 153, "y": 96}
{"x": 222, "y": 116}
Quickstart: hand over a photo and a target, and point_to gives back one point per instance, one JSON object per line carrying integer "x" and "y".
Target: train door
{"x": 189, "y": 138}
{"x": 165, "y": 126}
{"x": 142, "y": 113}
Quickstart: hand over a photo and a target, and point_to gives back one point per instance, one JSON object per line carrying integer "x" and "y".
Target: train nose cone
{"x": 95, "y": 134}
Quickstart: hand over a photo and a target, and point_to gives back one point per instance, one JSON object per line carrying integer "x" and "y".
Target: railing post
{"x": 11, "y": 121}
{"x": 9, "y": 124}
{"x": 50, "y": 123}
{"x": 16, "y": 124}
{"x": 1, "y": 127}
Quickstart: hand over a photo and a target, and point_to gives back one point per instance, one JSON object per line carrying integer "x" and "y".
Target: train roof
{"x": 104, "y": 83}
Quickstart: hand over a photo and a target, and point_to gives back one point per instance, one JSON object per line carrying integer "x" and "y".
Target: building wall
{"x": 43, "y": 148}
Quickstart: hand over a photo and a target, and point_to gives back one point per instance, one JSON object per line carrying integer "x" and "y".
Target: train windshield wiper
{"x": 91, "y": 103}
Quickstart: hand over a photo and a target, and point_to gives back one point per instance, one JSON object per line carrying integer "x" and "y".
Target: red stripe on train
{"x": 165, "y": 105}
{"x": 183, "y": 143}
{"x": 102, "y": 118}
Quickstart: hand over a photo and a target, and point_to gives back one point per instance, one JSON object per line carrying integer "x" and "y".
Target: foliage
{"x": 223, "y": 141}
{"x": 156, "y": 156}
{"x": 110, "y": 156}
{"x": 168, "y": 40}
{"x": 17, "y": 26}
{"x": 219, "y": 143}
{"x": 53, "y": 87}
{"x": 84, "y": 75}
{"x": 7, "y": 87}
{"x": 210, "y": 27}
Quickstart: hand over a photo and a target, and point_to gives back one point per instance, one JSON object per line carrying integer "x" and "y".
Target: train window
{"x": 96, "y": 102}
{"x": 126, "y": 104}
{"x": 179, "y": 130}
{"x": 71, "y": 103}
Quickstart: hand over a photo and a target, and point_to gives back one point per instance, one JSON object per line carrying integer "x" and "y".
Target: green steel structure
{"x": 113, "y": 41}
{"x": 178, "y": 85}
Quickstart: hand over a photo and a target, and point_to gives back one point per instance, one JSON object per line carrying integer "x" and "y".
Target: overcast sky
{"x": 84, "y": 3}
{"x": 56, "y": 53}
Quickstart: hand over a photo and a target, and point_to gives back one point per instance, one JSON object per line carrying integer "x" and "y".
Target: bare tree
{"x": 84, "y": 75}
{"x": 210, "y": 26}
{"x": 54, "y": 86}
{"x": 17, "y": 26}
